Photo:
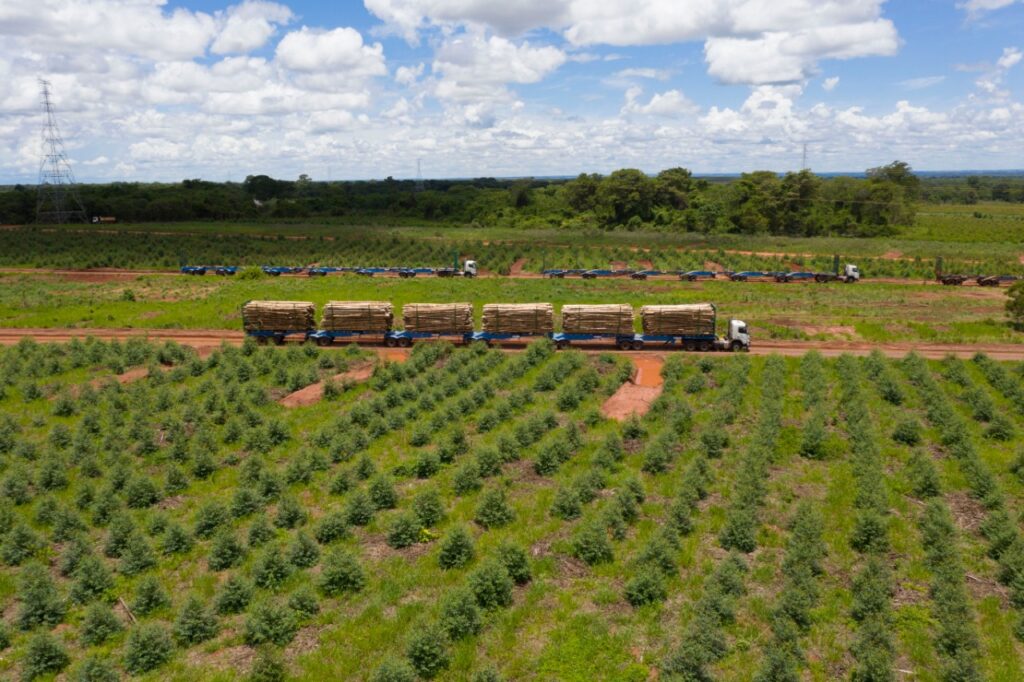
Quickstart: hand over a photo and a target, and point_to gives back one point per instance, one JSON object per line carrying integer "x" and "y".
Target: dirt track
{"x": 208, "y": 339}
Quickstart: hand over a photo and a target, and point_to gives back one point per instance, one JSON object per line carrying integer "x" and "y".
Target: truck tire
{"x": 390, "y": 342}
{"x": 405, "y": 342}
{"x": 324, "y": 341}
{"x": 638, "y": 345}
{"x": 625, "y": 344}
{"x": 705, "y": 346}
{"x": 278, "y": 339}
{"x": 561, "y": 345}
{"x": 689, "y": 346}
{"x": 735, "y": 346}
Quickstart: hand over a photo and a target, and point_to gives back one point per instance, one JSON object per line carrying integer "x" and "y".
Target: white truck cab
{"x": 851, "y": 273}
{"x": 469, "y": 269}
{"x": 738, "y": 338}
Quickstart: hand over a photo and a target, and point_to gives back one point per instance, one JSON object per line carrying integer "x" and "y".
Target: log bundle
{"x": 278, "y": 316}
{"x": 438, "y": 318}
{"x": 519, "y": 318}
{"x": 367, "y": 316}
{"x": 610, "y": 318}
{"x": 698, "y": 318}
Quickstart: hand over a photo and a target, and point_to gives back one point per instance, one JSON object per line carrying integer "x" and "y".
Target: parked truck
{"x": 687, "y": 327}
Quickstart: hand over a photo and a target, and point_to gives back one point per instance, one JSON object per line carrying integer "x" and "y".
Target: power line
{"x": 58, "y": 201}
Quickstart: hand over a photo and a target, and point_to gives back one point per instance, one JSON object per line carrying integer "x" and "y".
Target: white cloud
{"x": 922, "y": 82}
{"x": 993, "y": 75}
{"x": 745, "y": 41}
{"x": 975, "y": 7}
{"x": 341, "y": 49}
{"x": 248, "y": 26}
{"x": 471, "y": 58}
{"x": 407, "y": 75}
{"x": 654, "y": 74}
{"x": 1011, "y": 57}
{"x": 829, "y": 84}
{"x": 671, "y": 104}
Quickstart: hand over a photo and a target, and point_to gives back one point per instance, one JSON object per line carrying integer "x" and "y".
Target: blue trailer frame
{"x": 278, "y": 336}
{"x": 324, "y": 337}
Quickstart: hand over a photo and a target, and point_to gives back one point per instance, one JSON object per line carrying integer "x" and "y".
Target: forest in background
{"x": 762, "y": 202}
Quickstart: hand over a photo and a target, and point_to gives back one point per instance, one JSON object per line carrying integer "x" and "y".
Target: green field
{"x": 987, "y": 237}
{"x": 471, "y": 515}
{"x": 871, "y": 312}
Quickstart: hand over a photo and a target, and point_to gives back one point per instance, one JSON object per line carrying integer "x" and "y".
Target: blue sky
{"x": 149, "y": 90}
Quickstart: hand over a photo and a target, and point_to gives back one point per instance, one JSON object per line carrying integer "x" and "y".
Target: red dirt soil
{"x": 516, "y": 269}
{"x": 636, "y": 395}
{"x": 314, "y": 392}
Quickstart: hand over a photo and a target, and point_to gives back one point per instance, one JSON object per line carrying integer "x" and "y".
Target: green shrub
{"x": 392, "y": 670}
{"x": 428, "y": 507}
{"x": 304, "y": 602}
{"x": 19, "y": 545}
{"x": 1001, "y": 429}
{"x": 137, "y": 556}
{"x": 268, "y": 666}
{"x": 460, "y": 616}
{"x": 98, "y": 624}
{"x": 924, "y": 477}
{"x": 428, "y": 652}
{"x": 290, "y": 513}
{"x": 714, "y": 442}
{"x": 382, "y": 492}
{"x": 467, "y": 479}
{"x": 147, "y": 648}
{"x": 333, "y": 526}
{"x": 341, "y": 573}
{"x": 359, "y": 510}
{"x": 194, "y": 623}
{"x": 566, "y": 504}
{"x": 870, "y": 533}
{"x": 491, "y": 585}
{"x": 271, "y": 569}
{"x": 907, "y": 432}
{"x": 260, "y": 531}
{"x": 404, "y": 530}
{"x": 92, "y": 580}
{"x": 226, "y": 551}
{"x": 269, "y": 623}
{"x": 149, "y": 596}
{"x": 210, "y": 517}
{"x": 95, "y": 669}
{"x": 41, "y": 601}
{"x": 233, "y": 596}
{"x": 515, "y": 561}
{"x": 646, "y": 587}
{"x": 591, "y": 544}
{"x": 494, "y": 510}
{"x": 456, "y": 549}
{"x": 44, "y": 655}
{"x": 303, "y": 551}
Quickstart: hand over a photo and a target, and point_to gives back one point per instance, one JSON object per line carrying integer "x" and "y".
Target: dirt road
{"x": 208, "y": 339}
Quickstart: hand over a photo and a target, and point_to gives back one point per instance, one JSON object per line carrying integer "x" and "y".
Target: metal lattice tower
{"x": 58, "y": 200}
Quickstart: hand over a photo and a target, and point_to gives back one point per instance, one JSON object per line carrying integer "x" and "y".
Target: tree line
{"x": 762, "y": 202}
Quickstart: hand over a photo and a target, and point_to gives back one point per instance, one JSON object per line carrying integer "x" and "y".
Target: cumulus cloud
{"x": 746, "y": 41}
{"x": 407, "y": 75}
{"x": 248, "y": 26}
{"x": 342, "y": 49}
{"x": 975, "y": 7}
{"x": 671, "y": 104}
{"x": 472, "y": 58}
{"x": 829, "y": 84}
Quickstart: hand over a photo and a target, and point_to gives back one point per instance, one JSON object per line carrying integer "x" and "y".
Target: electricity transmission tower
{"x": 58, "y": 200}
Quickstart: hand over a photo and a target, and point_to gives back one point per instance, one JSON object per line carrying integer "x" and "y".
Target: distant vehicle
{"x": 995, "y": 280}
{"x": 198, "y": 270}
{"x": 694, "y": 275}
{"x": 953, "y": 280}
{"x": 225, "y": 270}
{"x": 849, "y": 275}
{"x": 103, "y": 220}
{"x": 794, "y": 276}
{"x": 469, "y": 269}
{"x": 278, "y": 270}
{"x": 644, "y": 274}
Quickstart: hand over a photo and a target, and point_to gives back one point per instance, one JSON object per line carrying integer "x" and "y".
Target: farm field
{"x": 470, "y": 514}
{"x": 876, "y": 313}
{"x": 978, "y": 238}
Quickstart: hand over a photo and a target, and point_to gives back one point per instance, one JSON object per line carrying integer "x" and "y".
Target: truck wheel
{"x": 561, "y": 345}
{"x": 735, "y": 346}
{"x": 279, "y": 339}
{"x": 390, "y": 342}
{"x": 261, "y": 340}
{"x": 705, "y": 346}
{"x": 324, "y": 340}
{"x": 689, "y": 346}
{"x": 404, "y": 342}
{"x": 638, "y": 345}
{"x": 625, "y": 344}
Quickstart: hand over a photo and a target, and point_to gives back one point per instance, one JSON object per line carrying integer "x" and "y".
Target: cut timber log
{"x": 438, "y": 318}
{"x": 613, "y": 318}
{"x": 519, "y": 318}
{"x": 363, "y": 316}
{"x": 278, "y": 316}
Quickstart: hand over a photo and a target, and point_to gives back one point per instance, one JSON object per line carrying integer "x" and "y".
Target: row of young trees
{"x": 797, "y": 203}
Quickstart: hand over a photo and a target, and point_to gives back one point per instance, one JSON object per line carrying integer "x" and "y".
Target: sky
{"x": 162, "y": 90}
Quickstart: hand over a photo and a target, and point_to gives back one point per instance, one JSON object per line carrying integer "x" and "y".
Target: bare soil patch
{"x": 314, "y": 392}
{"x": 646, "y": 264}
{"x": 516, "y": 269}
{"x": 967, "y": 512}
{"x": 636, "y": 395}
